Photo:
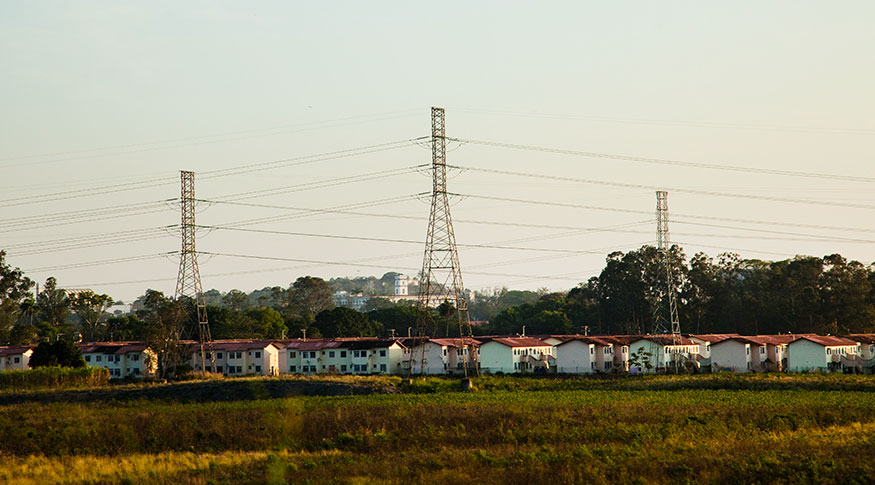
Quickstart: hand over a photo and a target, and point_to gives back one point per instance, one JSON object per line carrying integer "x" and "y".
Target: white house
{"x": 303, "y": 356}
{"x": 516, "y": 354}
{"x": 241, "y": 357}
{"x": 737, "y": 354}
{"x": 661, "y": 351}
{"x": 15, "y": 357}
{"x": 440, "y": 355}
{"x": 621, "y": 350}
{"x": 585, "y": 355}
{"x": 120, "y": 359}
{"x": 375, "y": 356}
{"x": 867, "y": 349}
{"x": 822, "y": 354}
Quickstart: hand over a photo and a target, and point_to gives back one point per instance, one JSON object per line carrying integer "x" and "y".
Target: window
{"x": 748, "y": 365}
{"x": 331, "y": 354}
{"x": 591, "y": 350}
{"x": 592, "y": 365}
{"x": 342, "y": 354}
{"x": 136, "y": 371}
{"x": 291, "y": 368}
{"x": 87, "y": 358}
{"x": 516, "y": 365}
{"x": 218, "y": 355}
{"x": 257, "y": 354}
{"x": 292, "y": 355}
{"x": 747, "y": 348}
{"x": 382, "y": 353}
{"x": 342, "y": 367}
{"x": 607, "y": 365}
{"x": 98, "y": 358}
{"x": 258, "y": 368}
{"x": 239, "y": 369}
{"x": 239, "y": 355}
{"x": 135, "y": 357}
{"x": 445, "y": 351}
{"x": 17, "y": 360}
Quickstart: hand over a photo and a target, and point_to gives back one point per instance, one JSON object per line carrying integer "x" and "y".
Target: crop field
{"x": 661, "y": 430}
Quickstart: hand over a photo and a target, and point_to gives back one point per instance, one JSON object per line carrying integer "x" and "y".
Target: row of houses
{"x": 565, "y": 354}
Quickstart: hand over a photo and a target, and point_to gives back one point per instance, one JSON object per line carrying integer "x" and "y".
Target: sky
{"x": 306, "y": 125}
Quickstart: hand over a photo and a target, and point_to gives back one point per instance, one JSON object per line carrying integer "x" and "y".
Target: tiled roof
{"x": 14, "y": 350}
{"x": 713, "y": 338}
{"x": 520, "y": 342}
{"x": 603, "y": 341}
{"x": 863, "y": 338}
{"x": 827, "y": 341}
{"x": 455, "y": 342}
{"x": 666, "y": 340}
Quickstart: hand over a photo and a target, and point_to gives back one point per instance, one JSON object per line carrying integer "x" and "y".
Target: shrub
{"x": 54, "y": 377}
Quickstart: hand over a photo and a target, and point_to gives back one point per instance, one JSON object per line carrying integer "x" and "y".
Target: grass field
{"x": 659, "y": 430}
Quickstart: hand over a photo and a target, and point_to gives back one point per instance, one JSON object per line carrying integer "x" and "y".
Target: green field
{"x": 714, "y": 429}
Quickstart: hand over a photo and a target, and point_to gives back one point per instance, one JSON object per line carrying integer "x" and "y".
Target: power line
{"x": 654, "y": 187}
{"x": 392, "y": 240}
{"x": 70, "y": 194}
{"x": 665, "y": 161}
{"x": 693, "y": 123}
{"x": 144, "y": 146}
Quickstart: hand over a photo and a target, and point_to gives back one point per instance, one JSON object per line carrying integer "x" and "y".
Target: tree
{"x": 345, "y": 322}
{"x": 268, "y": 322}
{"x": 53, "y": 308}
{"x": 14, "y": 289}
{"x": 62, "y": 353}
{"x": 236, "y": 300}
{"x": 311, "y": 295}
{"x": 90, "y": 308}
{"x": 164, "y": 326}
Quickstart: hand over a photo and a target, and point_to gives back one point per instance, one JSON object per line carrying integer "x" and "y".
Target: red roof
{"x": 603, "y": 341}
{"x": 14, "y": 350}
{"x": 827, "y": 341}
{"x": 713, "y": 338}
{"x": 520, "y": 342}
{"x": 863, "y": 338}
{"x": 666, "y": 340}
{"x": 455, "y": 342}
{"x": 234, "y": 345}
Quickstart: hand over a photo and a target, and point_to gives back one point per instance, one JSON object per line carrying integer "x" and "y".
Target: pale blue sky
{"x": 103, "y": 93}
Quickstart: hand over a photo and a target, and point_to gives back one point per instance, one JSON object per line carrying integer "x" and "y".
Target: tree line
{"x": 726, "y": 294}
{"x": 827, "y": 295}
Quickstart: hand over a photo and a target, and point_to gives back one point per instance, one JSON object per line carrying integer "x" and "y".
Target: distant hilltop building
{"x": 401, "y": 284}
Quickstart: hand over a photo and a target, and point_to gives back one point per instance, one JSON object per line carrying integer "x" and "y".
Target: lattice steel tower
{"x": 441, "y": 277}
{"x": 666, "y": 315}
{"x": 188, "y": 283}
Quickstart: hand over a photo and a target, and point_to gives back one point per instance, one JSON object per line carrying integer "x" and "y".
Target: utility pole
{"x": 188, "y": 282}
{"x": 666, "y": 315}
{"x": 441, "y": 277}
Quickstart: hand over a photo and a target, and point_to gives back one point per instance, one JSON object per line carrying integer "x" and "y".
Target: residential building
{"x": 120, "y": 359}
{"x": 516, "y": 355}
{"x": 654, "y": 353}
{"x": 15, "y": 357}
{"x": 816, "y": 353}
{"x": 241, "y": 357}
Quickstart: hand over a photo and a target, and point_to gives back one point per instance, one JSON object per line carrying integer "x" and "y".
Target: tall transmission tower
{"x": 441, "y": 277}
{"x": 666, "y": 317}
{"x": 188, "y": 282}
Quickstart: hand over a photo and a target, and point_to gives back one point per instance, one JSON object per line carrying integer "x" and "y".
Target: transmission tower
{"x": 666, "y": 317}
{"x": 441, "y": 277}
{"x": 188, "y": 282}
